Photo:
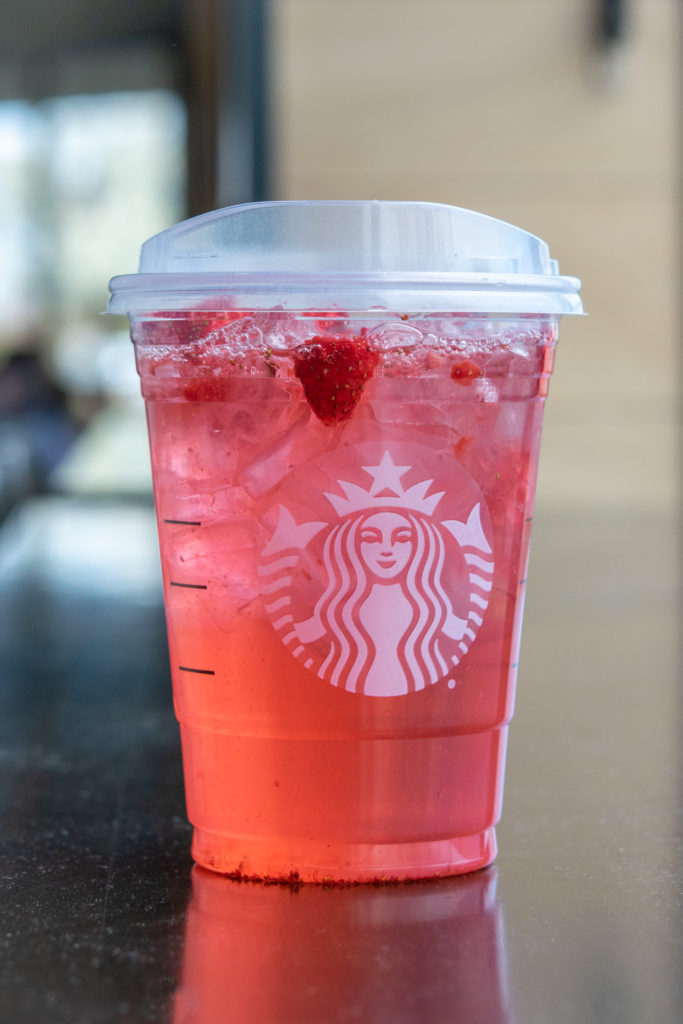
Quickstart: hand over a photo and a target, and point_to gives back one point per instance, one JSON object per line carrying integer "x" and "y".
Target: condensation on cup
{"x": 344, "y": 403}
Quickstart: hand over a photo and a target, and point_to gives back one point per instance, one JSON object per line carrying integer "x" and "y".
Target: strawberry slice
{"x": 465, "y": 372}
{"x": 208, "y": 389}
{"x": 184, "y": 328}
{"x": 334, "y": 372}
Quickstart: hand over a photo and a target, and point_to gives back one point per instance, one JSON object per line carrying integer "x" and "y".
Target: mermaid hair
{"x": 352, "y": 650}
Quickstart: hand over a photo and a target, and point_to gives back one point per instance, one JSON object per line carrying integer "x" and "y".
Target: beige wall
{"x": 503, "y": 106}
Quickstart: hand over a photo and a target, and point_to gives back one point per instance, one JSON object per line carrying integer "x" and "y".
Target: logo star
{"x": 386, "y": 476}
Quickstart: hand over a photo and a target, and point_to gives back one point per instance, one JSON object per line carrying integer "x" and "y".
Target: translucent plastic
{"x": 344, "y": 598}
{"x": 409, "y": 257}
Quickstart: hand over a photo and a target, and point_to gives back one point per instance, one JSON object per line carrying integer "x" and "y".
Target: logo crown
{"x": 386, "y": 491}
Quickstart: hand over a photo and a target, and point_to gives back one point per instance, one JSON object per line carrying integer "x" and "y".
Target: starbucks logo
{"x": 384, "y": 590}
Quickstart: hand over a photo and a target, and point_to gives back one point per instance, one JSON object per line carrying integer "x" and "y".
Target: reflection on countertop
{"x": 430, "y": 951}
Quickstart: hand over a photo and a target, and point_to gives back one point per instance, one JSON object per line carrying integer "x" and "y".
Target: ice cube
{"x": 273, "y": 462}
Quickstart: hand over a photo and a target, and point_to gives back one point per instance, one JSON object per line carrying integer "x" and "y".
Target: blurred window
{"x": 83, "y": 181}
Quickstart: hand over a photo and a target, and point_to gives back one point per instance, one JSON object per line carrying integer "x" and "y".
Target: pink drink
{"x": 387, "y": 762}
{"x": 344, "y": 405}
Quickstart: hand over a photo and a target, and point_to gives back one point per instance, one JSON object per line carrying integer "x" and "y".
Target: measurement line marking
{"x": 191, "y": 586}
{"x": 199, "y": 671}
{"x": 183, "y": 522}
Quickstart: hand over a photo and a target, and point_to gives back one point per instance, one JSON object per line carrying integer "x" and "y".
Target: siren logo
{"x": 383, "y": 592}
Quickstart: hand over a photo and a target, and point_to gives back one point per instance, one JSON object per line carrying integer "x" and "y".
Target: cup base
{"x": 342, "y": 864}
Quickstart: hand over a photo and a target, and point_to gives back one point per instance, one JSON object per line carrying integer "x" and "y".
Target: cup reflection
{"x": 273, "y": 954}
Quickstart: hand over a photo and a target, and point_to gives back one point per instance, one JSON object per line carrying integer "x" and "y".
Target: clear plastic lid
{"x": 409, "y": 257}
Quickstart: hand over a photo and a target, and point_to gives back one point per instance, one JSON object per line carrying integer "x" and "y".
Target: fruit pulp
{"x": 299, "y": 760}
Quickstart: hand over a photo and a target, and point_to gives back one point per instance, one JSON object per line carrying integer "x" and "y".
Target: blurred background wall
{"x": 561, "y": 116}
{"x": 558, "y": 115}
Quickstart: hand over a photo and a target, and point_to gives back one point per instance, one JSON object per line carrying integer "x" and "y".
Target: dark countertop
{"x": 102, "y": 917}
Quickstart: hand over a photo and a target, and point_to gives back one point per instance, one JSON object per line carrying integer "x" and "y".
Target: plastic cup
{"x": 344, "y": 404}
